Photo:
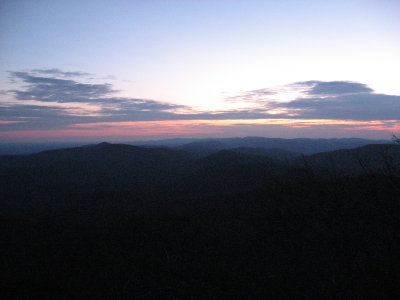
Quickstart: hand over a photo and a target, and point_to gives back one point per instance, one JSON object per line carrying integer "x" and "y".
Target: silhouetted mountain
{"x": 109, "y": 167}
{"x": 277, "y": 154}
{"x": 112, "y": 221}
{"x": 112, "y": 157}
{"x": 174, "y": 174}
{"x": 93, "y": 168}
{"x": 207, "y": 146}
{"x": 232, "y": 157}
{"x": 227, "y": 172}
{"x": 163, "y": 143}
{"x": 29, "y": 148}
{"x": 375, "y": 159}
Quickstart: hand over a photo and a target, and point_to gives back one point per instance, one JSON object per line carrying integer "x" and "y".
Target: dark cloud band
{"x": 331, "y": 88}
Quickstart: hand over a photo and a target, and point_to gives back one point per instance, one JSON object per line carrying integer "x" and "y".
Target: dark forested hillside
{"x": 369, "y": 159}
{"x": 113, "y": 221}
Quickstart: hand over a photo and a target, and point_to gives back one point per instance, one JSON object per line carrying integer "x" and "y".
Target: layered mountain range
{"x": 240, "y": 218}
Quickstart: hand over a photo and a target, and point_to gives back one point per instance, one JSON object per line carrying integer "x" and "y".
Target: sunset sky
{"x": 93, "y": 70}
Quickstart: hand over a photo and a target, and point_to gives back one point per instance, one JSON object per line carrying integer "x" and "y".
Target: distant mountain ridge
{"x": 300, "y": 145}
{"x": 121, "y": 167}
{"x": 209, "y": 145}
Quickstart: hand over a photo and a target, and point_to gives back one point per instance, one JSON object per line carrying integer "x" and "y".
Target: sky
{"x": 93, "y": 70}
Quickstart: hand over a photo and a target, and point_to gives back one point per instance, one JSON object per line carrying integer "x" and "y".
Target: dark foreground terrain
{"x": 112, "y": 221}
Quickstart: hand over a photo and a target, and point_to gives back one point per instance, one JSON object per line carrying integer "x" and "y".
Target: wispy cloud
{"x": 54, "y": 89}
{"x": 58, "y": 72}
{"x": 58, "y": 102}
{"x": 327, "y": 100}
{"x": 350, "y": 106}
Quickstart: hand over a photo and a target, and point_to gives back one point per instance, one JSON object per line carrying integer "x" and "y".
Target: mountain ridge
{"x": 29, "y": 148}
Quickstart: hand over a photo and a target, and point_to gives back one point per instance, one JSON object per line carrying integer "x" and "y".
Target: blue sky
{"x": 188, "y": 60}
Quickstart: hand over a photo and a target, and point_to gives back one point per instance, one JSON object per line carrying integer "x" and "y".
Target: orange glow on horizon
{"x": 230, "y": 122}
{"x": 187, "y": 127}
{"x": 10, "y": 122}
